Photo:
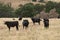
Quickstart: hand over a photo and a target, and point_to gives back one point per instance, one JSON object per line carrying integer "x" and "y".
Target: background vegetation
{"x": 27, "y": 10}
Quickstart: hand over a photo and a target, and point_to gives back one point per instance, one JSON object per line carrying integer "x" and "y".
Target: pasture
{"x": 34, "y": 32}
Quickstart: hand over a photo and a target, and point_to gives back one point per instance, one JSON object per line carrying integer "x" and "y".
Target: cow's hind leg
{"x": 17, "y": 27}
{"x": 34, "y": 23}
{"x": 39, "y": 23}
{"x": 23, "y": 26}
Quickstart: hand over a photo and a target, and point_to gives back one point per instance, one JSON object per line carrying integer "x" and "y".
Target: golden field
{"x": 34, "y": 32}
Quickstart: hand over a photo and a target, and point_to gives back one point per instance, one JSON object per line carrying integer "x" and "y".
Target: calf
{"x": 25, "y": 23}
{"x": 46, "y": 23}
{"x": 12, "y": 24}
{"x": 34, "y": 20}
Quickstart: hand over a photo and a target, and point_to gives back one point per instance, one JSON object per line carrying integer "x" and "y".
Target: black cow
{"x": 46, "y": 23}
{"x": 36, "y": 20}
{"x": 25, "y": 23}
{"x": 12, "y": 24}
{"x": 20, "y": 17}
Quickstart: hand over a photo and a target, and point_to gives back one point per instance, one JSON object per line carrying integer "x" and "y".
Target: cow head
{"x": 5, "y": 23}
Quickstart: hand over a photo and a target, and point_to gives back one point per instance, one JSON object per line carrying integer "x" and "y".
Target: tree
{"x": 41, "y": 0}
{"x": 26, "y": 10}
{"x": 34, "y": 0}
{"x": 57, "y": 7}
{"x": 39, "y": 8}
{"x": 5, "y": 10}
{"x": 49, "y": 5}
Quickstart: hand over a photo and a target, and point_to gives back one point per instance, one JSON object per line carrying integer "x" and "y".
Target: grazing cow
{"x": 36, "y": 20}
{"x": 20, "y": 18}
{"x": 25, "y": 23}
{"x": 46, "y": 23}
{"x": 12, "y": 24}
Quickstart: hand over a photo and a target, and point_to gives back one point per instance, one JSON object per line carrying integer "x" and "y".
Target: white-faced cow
{"x": 36, "y": 20}
{"x": 12, "y": 24}
{"x": 25, "y": 23}
{"x": 46, "y": 23}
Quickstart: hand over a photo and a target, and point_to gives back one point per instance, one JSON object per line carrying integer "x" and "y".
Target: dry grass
{"x": 34, "y": 32}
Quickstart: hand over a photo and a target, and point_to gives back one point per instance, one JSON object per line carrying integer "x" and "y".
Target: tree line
{"x": 27, "y": 10}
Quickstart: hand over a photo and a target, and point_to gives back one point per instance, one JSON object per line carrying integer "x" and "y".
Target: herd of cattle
{"x": 26, "y": 23}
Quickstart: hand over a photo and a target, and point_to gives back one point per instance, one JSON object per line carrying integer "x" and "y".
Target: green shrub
{"x": 57, "y": 7}
{"x": 26, "y": 10}
{"x": 34, "y": 0}
{"x": 39, "y": 8}
{"x": 5, "y": 10}
{"x": 49, "y": 5}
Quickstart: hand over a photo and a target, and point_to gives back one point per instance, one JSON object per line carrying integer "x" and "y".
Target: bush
{"x": 39, "y": 8}
{"x": 5, "y": 10}
{"x": 49, "y": 5}
{"x": 57, "y": 7}
{"x": 34, "y": 0}
{"x": 26, "y": 10}
{"x": 41, "y": 0}
{"x": 29, "y": 10}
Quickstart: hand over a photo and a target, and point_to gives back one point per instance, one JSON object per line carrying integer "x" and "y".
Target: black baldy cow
{"x": 36, "y": 20}
{"x": 46, "y": 23}
{"x": 25, "y": 23}
{"x": 12, "y": 24}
